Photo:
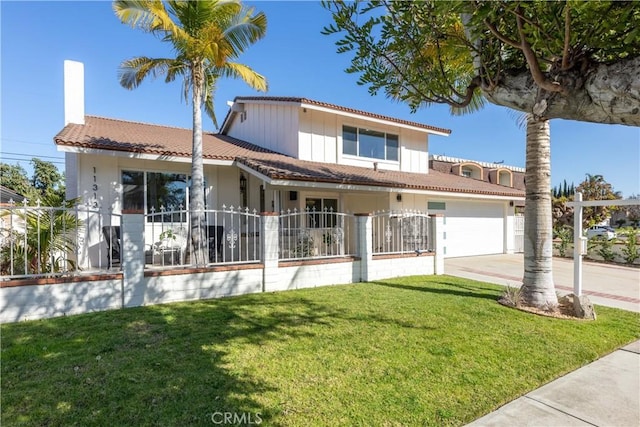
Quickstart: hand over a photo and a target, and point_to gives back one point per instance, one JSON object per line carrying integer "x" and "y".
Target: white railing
{"x": 42, "y": 241}
{"x": 316, "y": 234}
{"x": 397, "y": 232}
{"x": 232, "y": 236}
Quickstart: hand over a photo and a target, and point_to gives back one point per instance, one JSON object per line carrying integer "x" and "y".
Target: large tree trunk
{"x": 538, "y": 289}
{"x": 603, "y": 94}
{"x": 196, "y": 202}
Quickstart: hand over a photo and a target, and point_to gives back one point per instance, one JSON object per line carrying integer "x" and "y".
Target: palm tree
{"x": 537, "y": 286}
{"x": 40, "y": 239}
{"x": 207, "y": 37}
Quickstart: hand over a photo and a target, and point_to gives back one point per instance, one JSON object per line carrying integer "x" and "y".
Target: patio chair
{"x": 171, "y": 248}
{"x": 112, "y": 238}
{"x": 216, "y": 236}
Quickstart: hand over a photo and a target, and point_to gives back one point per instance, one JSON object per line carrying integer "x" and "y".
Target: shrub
{"x": 512, "y": 296}
{"x": 304, "y": 245}
{"x": 630, "y": 249}
{"x": 565, "y": 234}
{"x": 606, "y": 249}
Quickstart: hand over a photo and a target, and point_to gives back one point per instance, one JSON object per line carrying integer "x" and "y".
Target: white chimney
{"x": 73, "y": 92}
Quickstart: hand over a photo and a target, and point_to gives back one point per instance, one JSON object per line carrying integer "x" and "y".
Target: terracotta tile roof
{"x": 301, "y": 170}
{"x": 119, "y": 135}
{"x": 339, "y": 108}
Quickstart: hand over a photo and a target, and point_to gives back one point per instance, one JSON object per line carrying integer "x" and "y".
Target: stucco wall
{"x": 52, "y": 300}
{"x": 158, "y": 289}
{"x": 311, "y": 276}
{"x": 385, "y": 268}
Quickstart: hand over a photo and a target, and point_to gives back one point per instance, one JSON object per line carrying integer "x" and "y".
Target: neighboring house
{"x": 495, "y": 173}
{"x": 281, "y": 153}
{"x": 9, "y": 221}
{"x": 7, "y": 195}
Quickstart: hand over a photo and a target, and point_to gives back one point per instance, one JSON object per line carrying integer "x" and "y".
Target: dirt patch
{"x": 564, "y": 309}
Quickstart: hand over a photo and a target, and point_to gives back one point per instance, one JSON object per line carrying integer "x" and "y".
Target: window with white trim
{"x": 370, "y": 143}
{"x": 151, "y": 191}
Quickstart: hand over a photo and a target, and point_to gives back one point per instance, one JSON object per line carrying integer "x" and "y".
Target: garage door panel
{"x": 474, "y": 229}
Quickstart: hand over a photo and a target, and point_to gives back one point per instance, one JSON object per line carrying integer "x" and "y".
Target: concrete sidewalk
{"x": 603, "y": 393}
{"x": 604, "y": 284}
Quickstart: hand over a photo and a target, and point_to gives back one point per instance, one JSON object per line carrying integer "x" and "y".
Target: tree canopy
{"x": 45, "y": 184}
{"x": 595, "y": 187}
{"x": 570, "y": 59}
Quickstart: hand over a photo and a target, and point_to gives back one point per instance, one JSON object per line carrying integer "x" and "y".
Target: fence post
{"x": 269, "y": 239}
{"x": 437, "y": 221}
{"x": 365, "y": 244}
{"x": 132, "y": 258}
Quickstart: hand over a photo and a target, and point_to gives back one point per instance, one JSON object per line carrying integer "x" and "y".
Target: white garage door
{"x": 474, "y": 228}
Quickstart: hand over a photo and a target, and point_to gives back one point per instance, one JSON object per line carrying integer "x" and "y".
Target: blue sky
{"x": 36, "y": 37}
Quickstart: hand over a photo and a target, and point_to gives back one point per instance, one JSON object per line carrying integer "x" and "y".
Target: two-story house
{"x": 280, "y": 153}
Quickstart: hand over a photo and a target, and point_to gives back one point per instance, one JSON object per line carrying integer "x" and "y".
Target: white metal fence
{"x": 45, "y": 241}
{"x": 38, "y": 241}
{"x": 316, "y": 234}
{"x": 232, "y": 235}
{"x": 401, "y": 232}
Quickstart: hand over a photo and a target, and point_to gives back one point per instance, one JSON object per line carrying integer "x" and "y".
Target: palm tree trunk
{"x": 538, "y": 289}
{"x": 196, "y": 202}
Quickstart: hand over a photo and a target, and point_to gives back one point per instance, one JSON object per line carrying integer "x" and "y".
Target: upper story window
{"x": 505, "y": 177}
{"x": 369, "y": 143}
{"x": 469, "y": 170}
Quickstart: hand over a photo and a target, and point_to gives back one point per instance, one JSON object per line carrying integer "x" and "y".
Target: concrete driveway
{"x": 608, "y": 285}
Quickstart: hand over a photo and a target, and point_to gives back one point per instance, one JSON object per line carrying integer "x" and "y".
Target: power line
{"x": 22, "y": 160}
{"x": 21, "y": 154}
{"x": 25, "y": 142}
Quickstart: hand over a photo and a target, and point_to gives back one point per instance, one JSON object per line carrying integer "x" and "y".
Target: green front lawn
{"x": 410, "y": 351}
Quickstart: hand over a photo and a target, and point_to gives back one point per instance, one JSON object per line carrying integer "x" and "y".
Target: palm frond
{"x": 248, "y": 75}
{"x": 211, "y": 81}
{"x": 244, "y": 29}
{"x": 133, "y": 71}
{"x": 148, "y": 15}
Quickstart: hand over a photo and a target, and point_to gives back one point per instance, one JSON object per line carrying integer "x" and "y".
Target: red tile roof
{"x": 119, "y": 135}
{"x": 338, "y": 108}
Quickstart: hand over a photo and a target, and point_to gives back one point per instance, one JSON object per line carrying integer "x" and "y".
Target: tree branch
{"x": 419, "y": 50}
{"x": 532, "y": 60}
{"x": 500, "y": 36}
{"x": 567, "y": 38}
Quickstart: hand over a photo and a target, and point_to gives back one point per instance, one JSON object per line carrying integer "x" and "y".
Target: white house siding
{"x": 314, "y": 135}
{"x": 71, "y": 175}
{"x": 271, "y": 126}
{"x": 475, "y": 228}
{"x": 222, "y": 181}
{"x": 414, "y": 151}
{"x": 365, "y": 203}
{"x": 317, "y": 136}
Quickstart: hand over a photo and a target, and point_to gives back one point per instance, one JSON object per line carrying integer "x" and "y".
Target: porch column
{"x": 269, "y": 240}
{"x": 437, "y": 242}
{"x": 132, "y": 257}
{"x": 365, "y": 244}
